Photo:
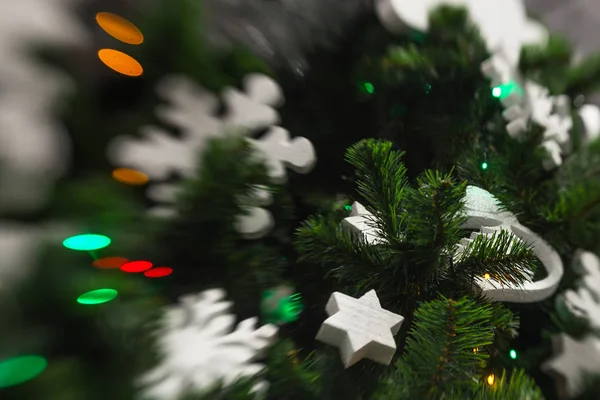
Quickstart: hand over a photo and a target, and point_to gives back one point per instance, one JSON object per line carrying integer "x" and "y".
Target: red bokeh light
{"x": 109, "y": 262}
{"x": 159, "y": 272}
{"x": 136, "y": 266}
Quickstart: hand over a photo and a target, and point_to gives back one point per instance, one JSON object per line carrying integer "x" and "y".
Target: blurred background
{"x": 576, "y": 20}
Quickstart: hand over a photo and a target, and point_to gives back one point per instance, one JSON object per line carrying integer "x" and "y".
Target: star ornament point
{"x": 360, "y": 328}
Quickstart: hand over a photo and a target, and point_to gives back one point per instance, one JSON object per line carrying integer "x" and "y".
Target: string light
{"x": 487, "y": 276}
{"x": 348, "y": 208}
{"x": 513, "y": 354}
{"x": 87, "y": 242}
{"x": 484, "y": 166}
{"x": 119, "y": 28}
{"x": 476, "y": 350}
{"x": 491, "y": 379}
{"x": 496, "y": 92}
{"x": 21, "y": 369}
{"x": 97, "y": 296}
{"x": 369, "y": 87}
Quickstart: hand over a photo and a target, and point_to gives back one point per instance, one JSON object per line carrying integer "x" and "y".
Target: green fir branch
{"x": 506, "y": 258}
{"x": 518, "y": 386}
{"x": 323, "y": 241}
{"x": 381, "y": 181}
{"x": 436, "y": 210}
{"x": 439, "y": 354}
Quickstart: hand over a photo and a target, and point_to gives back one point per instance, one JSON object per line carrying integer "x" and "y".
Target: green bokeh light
{"x": 86, "y": 242}
{"x": 513, "y": 354}
{"x": 97, "y": 296}
{"x": 348, "y": 207}
{"x": 484, "y": 166}
{"x": 506, "y": 89}
{"x": 21, "y": 369}
{"x": 369, "y": 88}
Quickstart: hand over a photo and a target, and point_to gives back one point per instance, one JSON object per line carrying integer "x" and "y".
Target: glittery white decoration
{"x": 199, "y": 348}
{"x": 573, "y": 359}
{"x": 193, "y": 109}
{"x": 501, "y": 22}
{"x": 360, "y": 328}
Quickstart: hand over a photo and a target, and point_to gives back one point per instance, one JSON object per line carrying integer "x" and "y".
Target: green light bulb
{"x": 97, "y": 296}
{"x": 484, "y": 165}
{"x": 369, "y": 87}
{"x": 513, "y": 354}
{"x": 348, "y": 208}
{"x": 86, "y": 242}
{"x": 496, "y": 92}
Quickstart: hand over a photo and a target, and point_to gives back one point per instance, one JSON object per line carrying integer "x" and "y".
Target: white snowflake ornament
{"x": 194, "y": 109}
{"x": 501, "y": 22}
{"x": 360, "y": 328}
{"x": 34, "y": 150}
{"x": 572, "y": 361}
{"x": 585, "y": 301}
{"x": 199, "y": 349}
{"x": 590, "y": 115}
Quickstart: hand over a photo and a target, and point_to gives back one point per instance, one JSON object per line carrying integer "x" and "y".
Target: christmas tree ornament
{"x": 35, "y": 149}
{"x": 500, "y": 22}
{"x": 590, "y": 115}
{"x": 199, "y": 348}
{"x": 572, "y": 360}
{"x": 194, "y": 110}
{"x": 361, "y": 223}
{"x": 360, "y": 328}
{"x": 15, "y": 371}
{"x": 483, "y": 212}
{"x": 584, "y": 302}
{"x": 531, "y": 103}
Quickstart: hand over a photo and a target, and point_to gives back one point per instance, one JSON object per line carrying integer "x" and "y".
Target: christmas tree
{"x": 296, "y": 200}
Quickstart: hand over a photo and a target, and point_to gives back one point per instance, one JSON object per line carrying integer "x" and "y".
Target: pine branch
{"x": 435, "y": 219}
{"x": 381, "y": 181}
{"x": 518, "y": 387}
{"x": 323, "y": 241}
{"x": 439, "y": 350}
{"x": 503, "y": 256}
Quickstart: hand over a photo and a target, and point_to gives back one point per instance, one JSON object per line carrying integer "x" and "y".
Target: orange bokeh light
{"x": 119, "y": 28}
{"x": 130, "y": 176}
{"x": 120, "y": 62}
{"x": 110, "y": 262}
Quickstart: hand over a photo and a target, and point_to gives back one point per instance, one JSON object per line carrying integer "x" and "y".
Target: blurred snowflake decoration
{"x": 199, "y": 349}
